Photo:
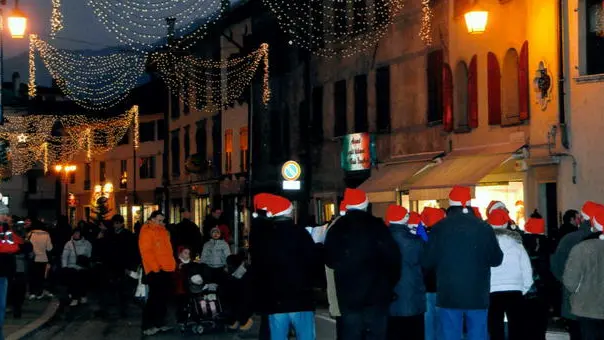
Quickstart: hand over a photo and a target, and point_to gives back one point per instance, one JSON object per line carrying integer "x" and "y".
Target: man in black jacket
{"x": 187, "y": 233}
{"x": 462, "y": 249}
{"x": 366, "y": 263}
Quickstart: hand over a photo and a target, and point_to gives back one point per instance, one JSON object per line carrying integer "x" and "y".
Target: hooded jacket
{"x": 410, "y": 290}
{"x": 72, "y": 250}
{"x": 462, "y": 249}
{"x": 215, "y": 253}
{"x": 156, "y": 249}
{"x": 515, "y": 272}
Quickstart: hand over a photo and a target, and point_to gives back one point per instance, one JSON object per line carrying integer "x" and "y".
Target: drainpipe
{"x": 561, "y": 80}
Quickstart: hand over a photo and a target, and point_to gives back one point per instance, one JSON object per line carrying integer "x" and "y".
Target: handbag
{"x": 81, "y": 260}
{"x": 141, "y": 289}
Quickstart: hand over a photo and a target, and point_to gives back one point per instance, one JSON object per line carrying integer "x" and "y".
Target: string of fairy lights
{"x": 335, "y": 27}
{"x": 50, "y": 139}
{"x": 215, "y": 84}
{"x": 425, "y": 32}
{"x": 56, "y": 18}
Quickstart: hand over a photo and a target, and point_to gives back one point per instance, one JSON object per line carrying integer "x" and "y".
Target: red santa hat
{"x": 495, "y": 205}
{"x": 414, "y": 219}
{"x": 273, "y": 205}
{"x": 588, "y": 210}
{"x": 460, "y": 197}
{"x": 430, "y": 216}
{"x": 477, "y": 212}
{"x": 395, "y": 214}
{"x": 598, "y": 221}
{"x": 355, "y": 199}
{"x": 342, "y": 208}
{"x": 535, "y": 225}
{"x": 498, "y": 218}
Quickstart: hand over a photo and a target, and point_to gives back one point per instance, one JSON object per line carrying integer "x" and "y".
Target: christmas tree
{"x": 101, "y": 210}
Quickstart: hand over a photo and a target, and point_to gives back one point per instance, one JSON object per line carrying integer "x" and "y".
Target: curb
{"x": 31, "y": 327}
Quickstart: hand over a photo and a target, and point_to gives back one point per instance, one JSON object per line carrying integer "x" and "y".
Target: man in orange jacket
{"x": 159, "y": 264}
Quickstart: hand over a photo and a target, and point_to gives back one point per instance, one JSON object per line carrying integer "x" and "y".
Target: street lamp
{"x": 64, "y": 171}
{"x": 476, "y": 21}
{"x": 17, "y": 25}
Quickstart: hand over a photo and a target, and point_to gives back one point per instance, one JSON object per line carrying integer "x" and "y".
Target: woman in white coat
{"x": 510, "y": 281}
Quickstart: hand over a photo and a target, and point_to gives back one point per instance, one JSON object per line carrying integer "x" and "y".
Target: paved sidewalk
{"x": 35, "y": 314}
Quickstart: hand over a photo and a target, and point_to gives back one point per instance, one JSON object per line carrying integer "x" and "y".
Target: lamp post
{"x": 17, "y": 24}
{"x": 64, "y": 171}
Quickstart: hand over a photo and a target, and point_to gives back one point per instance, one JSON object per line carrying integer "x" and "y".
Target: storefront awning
{"x": 466, "y": 167}
{"x": 388, "y": 178}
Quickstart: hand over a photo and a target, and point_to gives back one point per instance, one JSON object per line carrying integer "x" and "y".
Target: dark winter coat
{"x": 410, "y": 290}
{"x": 187, "y": 233}
{"x": 126, "y": 255}
{"x": 559, "y": 258}
{"x": 365, "y": 259}
{"x": 283, "y": 267}
{"x": 462, "y": 249}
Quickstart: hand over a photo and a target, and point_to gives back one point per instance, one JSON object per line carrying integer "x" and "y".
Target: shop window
{"x": 146, "y": 132}
{"x": 447, "y": 99}
{"x": 187, "y": 142}
{"x": 359, "y": 8}
{"x": 340, "y": 108}
{"x": 435, "y": 86}
{"x": 201, "y": 140}
{"x": 360, "y": 104}
{"x": 87, "y": 174}
{"x": 147, "y": 167}
{"x": 244, "y": 152}
{"x": 460, "y": 105}
{"x": 382, "y": 99}
{"x": 228, "y": 151}
{"x": 593, "y": 44}
{"x": 512, "y": 194}
{"x": 509, "y": 88}
{"x": 317, "y": 113}
{"x": 494, "y": 89}
{"x": 175, "y": 153}
{"x": 102, "y": 172}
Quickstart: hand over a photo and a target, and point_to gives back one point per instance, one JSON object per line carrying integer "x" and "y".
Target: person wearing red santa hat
{"x": 583, "y": 276}
{"x": 509, "y": 281}
{"x": 560, "y": 257}
{"x": 407, "y": 311}
{"x": 462, "y": 249}
{"x": 285, "y": 270}
{"x": 366, "y": 263}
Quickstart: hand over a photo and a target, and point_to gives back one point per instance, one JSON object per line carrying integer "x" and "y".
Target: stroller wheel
{"x": 198, "y": 329}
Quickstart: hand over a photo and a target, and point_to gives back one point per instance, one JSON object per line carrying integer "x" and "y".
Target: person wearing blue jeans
{"x": 303, "y": 323}
{"x": 431, "y": 318}
{"x": 3, "y": 291}
{"x": 452, "y": 324}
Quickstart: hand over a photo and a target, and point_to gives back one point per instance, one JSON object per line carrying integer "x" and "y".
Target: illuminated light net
{"x": 141, "y": 24}
{"x": 335, "y": 27}
{"x": 213, "y": 84}
{"x": 31, "y": 141}
{"x": 93, "y": 82}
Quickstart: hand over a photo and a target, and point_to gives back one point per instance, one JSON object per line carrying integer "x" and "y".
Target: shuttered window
{"x": 494, "y": 89}
{"x": 460, "y": 104}
{"x": 523, "y": 82}
{"x": 435, "y": 86}
{"x": 360, "y": 104}
{"x": 447, "y": 100}
{"x": 509, "y": 89}
{"x": 340, "y": 103}
{"x": 382, "y": 99}
{"x": 473, "y": 93}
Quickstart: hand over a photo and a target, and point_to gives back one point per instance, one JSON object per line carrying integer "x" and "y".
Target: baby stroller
{"x": 204, "y": 310}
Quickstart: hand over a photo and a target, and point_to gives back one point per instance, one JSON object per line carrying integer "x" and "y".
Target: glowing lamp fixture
{"x": 58, "y": 168}
{"x": 98, "y": 189}
{"x": 108, "y": 188}
{"x": 17, "y": 24}
{"x": 476, "y": 21}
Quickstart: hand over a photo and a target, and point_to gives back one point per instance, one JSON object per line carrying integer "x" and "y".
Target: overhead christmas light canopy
{"x": 335, "y": 27}
{"x": 476, "y": 21}
{"x": 141, "y": 24}
{"x": 93, "y": 82}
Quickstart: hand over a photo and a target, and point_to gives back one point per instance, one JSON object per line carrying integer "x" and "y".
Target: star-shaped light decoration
{"x": 22, "y": 138}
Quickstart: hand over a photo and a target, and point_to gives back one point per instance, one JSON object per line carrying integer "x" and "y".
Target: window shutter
{"x": 473, "y": 93}
{"x": 447, "y": 98}
{"x": 523, "y": 82}
{"x": 494, "y": 89}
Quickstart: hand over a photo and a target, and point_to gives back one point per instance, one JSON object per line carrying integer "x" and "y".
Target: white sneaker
{"x": 47, "y": 294}
{"x": 74, "y": 303}
{"x": 151, "y": 331}
{"x": 84, "y": 300}
{"x": 32, "y": 297}
{"x": 40, "y": 297}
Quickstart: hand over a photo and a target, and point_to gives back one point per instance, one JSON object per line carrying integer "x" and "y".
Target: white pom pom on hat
{"x": 460, "y": 197}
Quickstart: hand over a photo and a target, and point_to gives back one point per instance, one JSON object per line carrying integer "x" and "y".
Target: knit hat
{"x": 355, "y": 199}
{"x": 430, "y": 216}
{"x": 215, "y": 229}
{"x": 535, "y": 225}
{"x": 414, "y": 219}
{"x": 598, "y": 221}
{"x": 273, "y": 204}
{"x": 477, "y": 212}
{"x": 396, "y": 214}
{"x": 495, "y": 205}
{"x": 588, "y": 210}
{"x": 460, "y": 197}
{"x": 498, "y": 219}
{"x": 342, "y": 208}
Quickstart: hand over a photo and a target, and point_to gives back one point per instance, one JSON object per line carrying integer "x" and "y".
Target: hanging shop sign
{"x": 291, "y": 172}
{"x": 358, "y": 152}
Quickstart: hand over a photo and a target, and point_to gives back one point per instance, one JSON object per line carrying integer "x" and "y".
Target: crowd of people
{"x": 444, "y": 274}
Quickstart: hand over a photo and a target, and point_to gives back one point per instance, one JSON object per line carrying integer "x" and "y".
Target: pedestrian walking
{"x": 462, "y": 249}
{"x": 510, "y": 281}
{"x": 367, "y": 264}
{"x": 42, "y": 245}
{"x": 76, "y": 261}
{"x": 159, "y": 264}
{"x": 407, "y": 310}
